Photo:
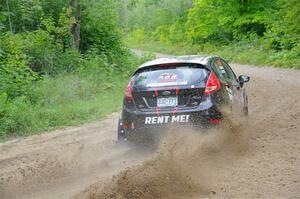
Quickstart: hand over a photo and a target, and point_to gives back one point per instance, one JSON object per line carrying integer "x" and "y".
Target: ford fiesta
{"x": 181, "y": 91}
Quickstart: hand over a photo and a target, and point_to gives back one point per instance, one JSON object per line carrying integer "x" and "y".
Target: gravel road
{"x": 258, "y": 158}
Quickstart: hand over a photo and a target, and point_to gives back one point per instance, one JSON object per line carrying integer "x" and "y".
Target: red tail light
{"x": 212, "y": 84}
{"x": 126, "y": 125}
{"x": 128, "y": 92}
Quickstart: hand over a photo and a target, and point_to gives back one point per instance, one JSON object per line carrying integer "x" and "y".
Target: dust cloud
{"x": 185, "y": 165}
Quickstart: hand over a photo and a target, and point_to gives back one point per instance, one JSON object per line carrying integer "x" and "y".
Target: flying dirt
{"x": 254, "y": 158}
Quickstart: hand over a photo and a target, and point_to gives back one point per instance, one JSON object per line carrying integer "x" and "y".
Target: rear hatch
{"x": 178, "y": 86}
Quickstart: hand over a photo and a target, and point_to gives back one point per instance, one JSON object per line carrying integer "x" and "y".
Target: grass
{"x": 61, "y": 101}
{"x": 75, "y": 101}
{"x": 242, "y": 52}
{"x": 88, "y": 94}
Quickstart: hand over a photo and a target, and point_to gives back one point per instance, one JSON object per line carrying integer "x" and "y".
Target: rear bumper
{"x": 137, "y": 125}
{"x": 155, "y": 134}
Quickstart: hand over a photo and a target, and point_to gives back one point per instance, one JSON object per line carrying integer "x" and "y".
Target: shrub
{"x": 15, "y": 75}
{"x": 16, "y": 116}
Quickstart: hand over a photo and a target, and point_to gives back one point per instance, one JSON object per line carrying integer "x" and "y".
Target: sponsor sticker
{"x": 167, "y": 77}
{"x": 167, "y": 119}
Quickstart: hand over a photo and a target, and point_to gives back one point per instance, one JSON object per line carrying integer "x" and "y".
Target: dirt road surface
{"x": 258, "y": 158}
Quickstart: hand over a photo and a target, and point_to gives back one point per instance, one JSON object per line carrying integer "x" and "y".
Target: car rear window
{"x": 179, "y": 75}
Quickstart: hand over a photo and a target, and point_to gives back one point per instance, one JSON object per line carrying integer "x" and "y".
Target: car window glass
{"x": 170, "y": 76}
{"x": 221, "y": 70}
{"x": 217, "y": 70}
{"x": 230, "y": 75}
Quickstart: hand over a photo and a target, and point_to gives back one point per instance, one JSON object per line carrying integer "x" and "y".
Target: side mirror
{"x": 243, "y": 79}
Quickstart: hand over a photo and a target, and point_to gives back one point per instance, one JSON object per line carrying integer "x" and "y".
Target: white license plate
{"x": 167, "y": 101}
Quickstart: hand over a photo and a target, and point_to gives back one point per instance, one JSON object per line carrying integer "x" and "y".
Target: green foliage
{"x": 207, "y": 19}
{"x": 44, "y": 81}
{"x": 244, "y": 52}
{"x": 91, "y": 92}
{"x": 15, "y": 75}
{"x": 104, "y": 36}
{"x": 26, "y": 14}
{"x": 284, "y": 30}
{"x": 275, "y": 24}
{"x": 15, "y": 116}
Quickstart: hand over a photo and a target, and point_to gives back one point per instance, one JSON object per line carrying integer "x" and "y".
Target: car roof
{"x": 189, "y": 59}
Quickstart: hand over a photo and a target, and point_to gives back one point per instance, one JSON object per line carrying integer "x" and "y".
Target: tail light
{"x": 212, "y": 84}
{"x": 126, "y": 125}
{"x": 128, "y": 92}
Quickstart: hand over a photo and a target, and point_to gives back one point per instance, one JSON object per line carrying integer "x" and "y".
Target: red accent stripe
{"x": 177, "y": 90}
{"x": 215, "y": 121}
{"x": 223, "y": 83}
{"x": 157, "y": 111}
{"x": 175, "y": 110}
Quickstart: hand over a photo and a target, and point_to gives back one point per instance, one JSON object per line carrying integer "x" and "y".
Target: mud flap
{"x": 120, "y": 132}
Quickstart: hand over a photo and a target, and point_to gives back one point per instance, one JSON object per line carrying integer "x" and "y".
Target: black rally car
{"x": 183, "y": 91}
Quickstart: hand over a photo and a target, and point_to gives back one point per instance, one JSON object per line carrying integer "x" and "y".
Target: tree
{"x": 75, "y": 29}
{"x": 9, "y": 18}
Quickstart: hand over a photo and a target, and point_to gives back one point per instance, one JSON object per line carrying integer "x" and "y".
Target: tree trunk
{"x": 75, "y": 30}
{"x": 9, "y": 19}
